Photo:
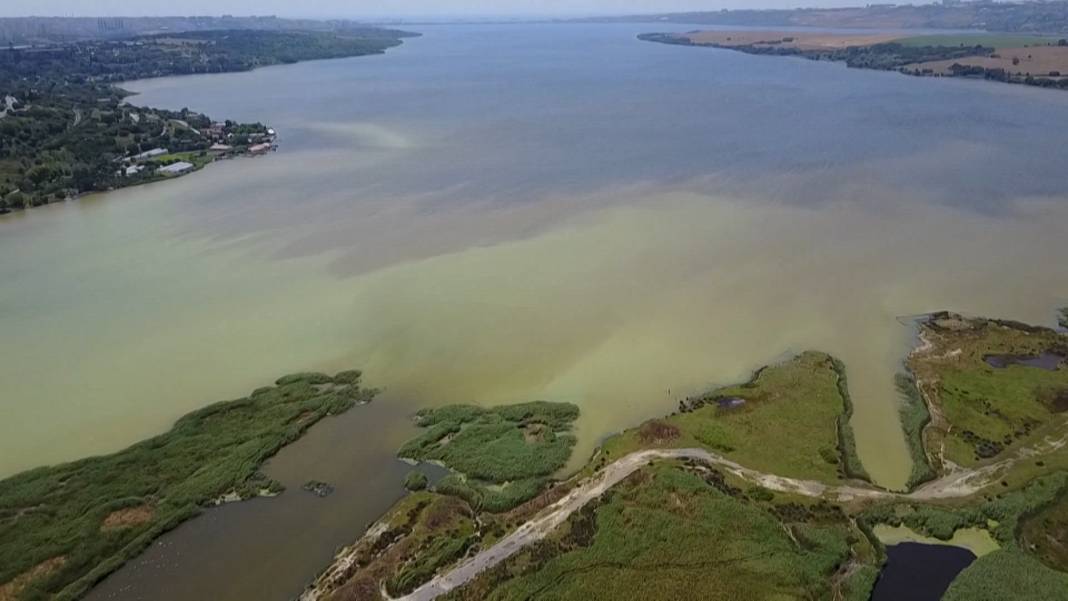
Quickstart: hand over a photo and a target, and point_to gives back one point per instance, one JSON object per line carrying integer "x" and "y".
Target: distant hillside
{"x": 1033, "y": 17}
{"x": 46, "y": 30}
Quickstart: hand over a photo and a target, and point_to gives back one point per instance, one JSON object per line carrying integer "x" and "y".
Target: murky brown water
{"x": 494, "y": 214}
{"x": 243, "y": 550}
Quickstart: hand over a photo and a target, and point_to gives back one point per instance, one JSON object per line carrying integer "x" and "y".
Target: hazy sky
{"x": 382, "y": 8}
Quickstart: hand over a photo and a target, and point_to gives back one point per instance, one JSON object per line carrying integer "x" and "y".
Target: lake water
{"x": 919, "y": 572}
{"x": 499, "y": 213}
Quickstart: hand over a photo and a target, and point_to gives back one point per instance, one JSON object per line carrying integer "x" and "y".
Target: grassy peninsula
{"x": 66, "y": 129}
{"x": 65, "y": 527}
{"x": 504, "y": 455}
{"x": 790, "y": 419}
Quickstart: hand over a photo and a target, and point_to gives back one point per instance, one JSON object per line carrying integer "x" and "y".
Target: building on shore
{"x": 148, "y": 154}
{"x": 175, "y": 168}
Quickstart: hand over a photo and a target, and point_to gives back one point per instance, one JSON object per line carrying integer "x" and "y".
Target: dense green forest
{"x": 66, "y": 129}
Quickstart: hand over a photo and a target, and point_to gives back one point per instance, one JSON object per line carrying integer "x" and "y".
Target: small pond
{"x": 919, "y": 571}
{"x": 730, "y": 402}
{"x": 1047, "y": 361}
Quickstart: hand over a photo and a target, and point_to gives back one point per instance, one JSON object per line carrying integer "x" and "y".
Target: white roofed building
{"x": 175, "y": 168}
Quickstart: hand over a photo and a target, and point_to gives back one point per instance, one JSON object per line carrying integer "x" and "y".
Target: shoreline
{"x": 206, "y": 155}
{"x": 871, "y": 505}
{"x": 210, "y": 457}
{"x": 886, "y": 52}
{"x": 5, "y": 212}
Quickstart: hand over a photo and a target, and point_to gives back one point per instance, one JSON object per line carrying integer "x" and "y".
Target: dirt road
{"x": 595, "y": 486}
{"x": 960, "y": 483}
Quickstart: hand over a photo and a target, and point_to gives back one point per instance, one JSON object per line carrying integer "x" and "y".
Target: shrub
{"x": 415, "y": 481}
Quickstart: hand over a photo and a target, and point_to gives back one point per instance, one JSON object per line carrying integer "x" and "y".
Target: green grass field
{"x": 82, "y": 520}
{"x": 198, "y": 159}
{"x": 502, "y": 456}
{"x": 788, "y": 424}
{"x": 989, "y": 40}
{"x": 1008, "y": 574}
{"x": 669, "y": 532}
{"x": 992, "y": 408}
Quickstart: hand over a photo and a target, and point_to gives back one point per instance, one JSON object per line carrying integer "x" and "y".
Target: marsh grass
{"x": 1008, "y": 574}
{"x": 851, "y": 465}
{"x": 794, "y": 422}
{"x": 991, "y": 409}
{"x": 670, "y": 532}
{"x": 422, "y": 533}
{"x": 1045, "y": 533}
{"x": 60, "y": 511}
{"x": 1001, "y": 514}
{"x": 502, "y": 456}
{"x": 914, "y": 418}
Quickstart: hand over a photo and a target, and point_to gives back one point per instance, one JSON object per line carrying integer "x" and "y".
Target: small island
{"x": 1028, "y": 59}
{"x": 66, "y": 128}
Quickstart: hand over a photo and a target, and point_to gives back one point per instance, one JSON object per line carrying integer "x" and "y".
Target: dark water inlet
{"x": 919, "y": 572}
{"x": 271, "y": 548}
{"x": 1047, "y": 360}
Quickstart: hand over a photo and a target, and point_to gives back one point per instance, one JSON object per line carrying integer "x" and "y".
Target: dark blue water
{"x": 918, "y": 572}
{"x": 1047, "y": 361}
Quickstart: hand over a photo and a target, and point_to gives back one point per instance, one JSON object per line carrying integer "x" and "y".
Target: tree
{"x": 16, "y": 200}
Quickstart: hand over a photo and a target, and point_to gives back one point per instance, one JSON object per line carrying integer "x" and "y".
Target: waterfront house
{"x": 175, "y": 168}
